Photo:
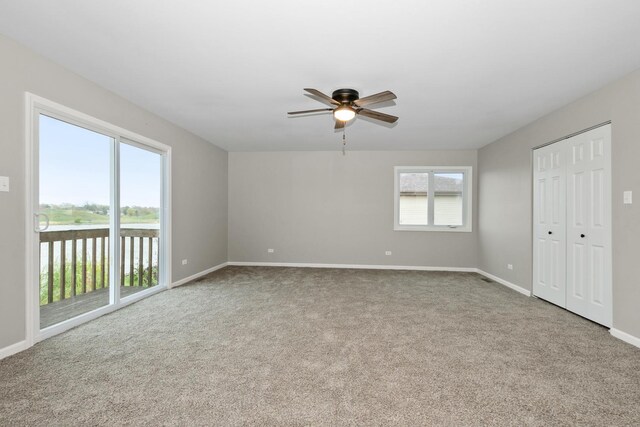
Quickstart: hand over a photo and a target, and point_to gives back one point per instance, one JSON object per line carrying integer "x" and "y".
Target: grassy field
{"x": 92, "y": 214}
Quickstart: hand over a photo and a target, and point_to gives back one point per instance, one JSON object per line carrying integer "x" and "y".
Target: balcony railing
{"x": 75, "y": 262}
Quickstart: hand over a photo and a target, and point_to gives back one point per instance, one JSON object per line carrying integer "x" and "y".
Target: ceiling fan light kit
{"x": 346, "y": 104}
{"x": 344, "y": 113}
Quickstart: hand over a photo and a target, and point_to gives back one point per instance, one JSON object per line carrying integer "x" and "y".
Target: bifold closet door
{"x": 549, "y": 255}
{"x": 589, "y": 225}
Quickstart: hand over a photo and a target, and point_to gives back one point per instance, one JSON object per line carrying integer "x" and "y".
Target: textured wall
{"x": 505, "y": 189}
{"x": 199, "y": 181}
{"x": 323, "y": 207}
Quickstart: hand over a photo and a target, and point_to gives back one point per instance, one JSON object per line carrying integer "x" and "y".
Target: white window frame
{"x": 467, "y": 198}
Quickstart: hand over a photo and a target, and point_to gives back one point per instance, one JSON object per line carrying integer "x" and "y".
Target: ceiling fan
{"x": 346, "y": 104}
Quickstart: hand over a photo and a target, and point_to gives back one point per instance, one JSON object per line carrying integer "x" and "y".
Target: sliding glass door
{"x": 74, "y": 216}
{"x": 98, "y": 207}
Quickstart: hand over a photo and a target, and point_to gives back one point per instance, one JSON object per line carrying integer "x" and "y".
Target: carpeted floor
{"x": 284, "y": 346}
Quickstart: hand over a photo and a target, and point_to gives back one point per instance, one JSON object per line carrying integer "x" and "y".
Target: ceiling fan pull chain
{"x": 344, "y": 142}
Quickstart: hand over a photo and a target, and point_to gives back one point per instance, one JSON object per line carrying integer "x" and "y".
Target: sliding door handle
{"x": 36, "y": 222}
{"x": 582, "y": 236}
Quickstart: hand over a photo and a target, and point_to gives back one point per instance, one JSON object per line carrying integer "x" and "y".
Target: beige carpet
{"x": 283, "y": 346}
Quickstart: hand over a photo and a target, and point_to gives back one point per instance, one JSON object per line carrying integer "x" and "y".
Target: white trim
{"x": 503, "y": 282}
{"x": 13, "y": 349}
{"x": 165, "y": 219}
{"x": 353, "y": 266}
{"x": 510, "y": 285}
{"x": 31, "y": 254}
{"x": 114, "y": 222}
{"x": 64, "y": 326}
{"x": 79, "y": 320}
{"x": 91, "y": 315}
{"x": 628, "y": 338}
{"x": 197, "y": 275}
{"x": 72, "y": 116}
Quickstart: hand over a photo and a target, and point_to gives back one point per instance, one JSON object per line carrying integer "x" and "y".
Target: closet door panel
{"x": 599, "y": 226}
{"x": 589, "y": 225}
{"x": 597, "y": 280}
{"x": 576, "y": 295}
{"x": 550, "y": 224}
{"x": 577, "y": 214}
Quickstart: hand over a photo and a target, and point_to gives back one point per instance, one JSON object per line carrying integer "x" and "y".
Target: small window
{"x": 433, "y": 198}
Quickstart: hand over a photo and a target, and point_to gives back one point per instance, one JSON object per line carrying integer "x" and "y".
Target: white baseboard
{"x": 353, "y": 266}
{"x": 13, "y": 349}
{"x": 628, "y": 338}
{"x": 197, "y": 275}
{"x": 510, "y": 285}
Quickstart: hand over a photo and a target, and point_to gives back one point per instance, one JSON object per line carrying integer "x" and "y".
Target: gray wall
{"x": 199, "y": 182}
{"x": 505, "y": 187}
{"x": 323, "y": 207}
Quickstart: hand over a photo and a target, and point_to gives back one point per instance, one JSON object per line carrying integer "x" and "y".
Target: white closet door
{"x": 549, "y": 276}
{"x": 589, "y": 225}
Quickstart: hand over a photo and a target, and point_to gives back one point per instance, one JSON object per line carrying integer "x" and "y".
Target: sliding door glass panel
{"x": 414, "y": 202}
{"x": 140, "y": 201}
{"x": 447, "y": 198}
{"x": 74, "y": 200}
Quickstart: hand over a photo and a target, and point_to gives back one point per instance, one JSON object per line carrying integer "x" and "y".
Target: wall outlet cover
{"x": 4, "y": 183}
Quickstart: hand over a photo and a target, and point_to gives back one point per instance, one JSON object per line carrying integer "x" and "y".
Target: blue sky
{"x": 75, "y": 162}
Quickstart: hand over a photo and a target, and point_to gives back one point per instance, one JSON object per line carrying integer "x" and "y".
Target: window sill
{"x": 444, "y": 228}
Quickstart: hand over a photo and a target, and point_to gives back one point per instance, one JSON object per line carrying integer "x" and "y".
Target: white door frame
{"x": 34, "y": 105}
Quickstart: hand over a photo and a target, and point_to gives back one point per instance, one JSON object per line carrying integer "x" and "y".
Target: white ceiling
{"x": 466, "y": 72}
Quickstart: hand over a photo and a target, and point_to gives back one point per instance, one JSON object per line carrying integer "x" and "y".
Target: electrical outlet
{"x": 387, "y": 253}
{"x": 627, "y": 197}
{"x": 4, "y": 183}
{"x": 270, "y": 250}
{"x": 185, "y": 261}
{"x": 509, "y": 266}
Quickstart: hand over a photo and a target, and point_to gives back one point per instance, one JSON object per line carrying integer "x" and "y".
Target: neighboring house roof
{"x": 418, "y": 183}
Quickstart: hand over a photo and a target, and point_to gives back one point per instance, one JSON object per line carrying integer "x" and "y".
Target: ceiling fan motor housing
{"x": 345, "y": 96}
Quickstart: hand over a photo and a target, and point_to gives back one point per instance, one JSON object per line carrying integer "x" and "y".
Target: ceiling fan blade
{"x": 373, "y": 99}
{"x": 377, "y": 115}
{"x": 327, "y": 99}
{"x": 310, "y": 111}
{"x": 339, "y": 124}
